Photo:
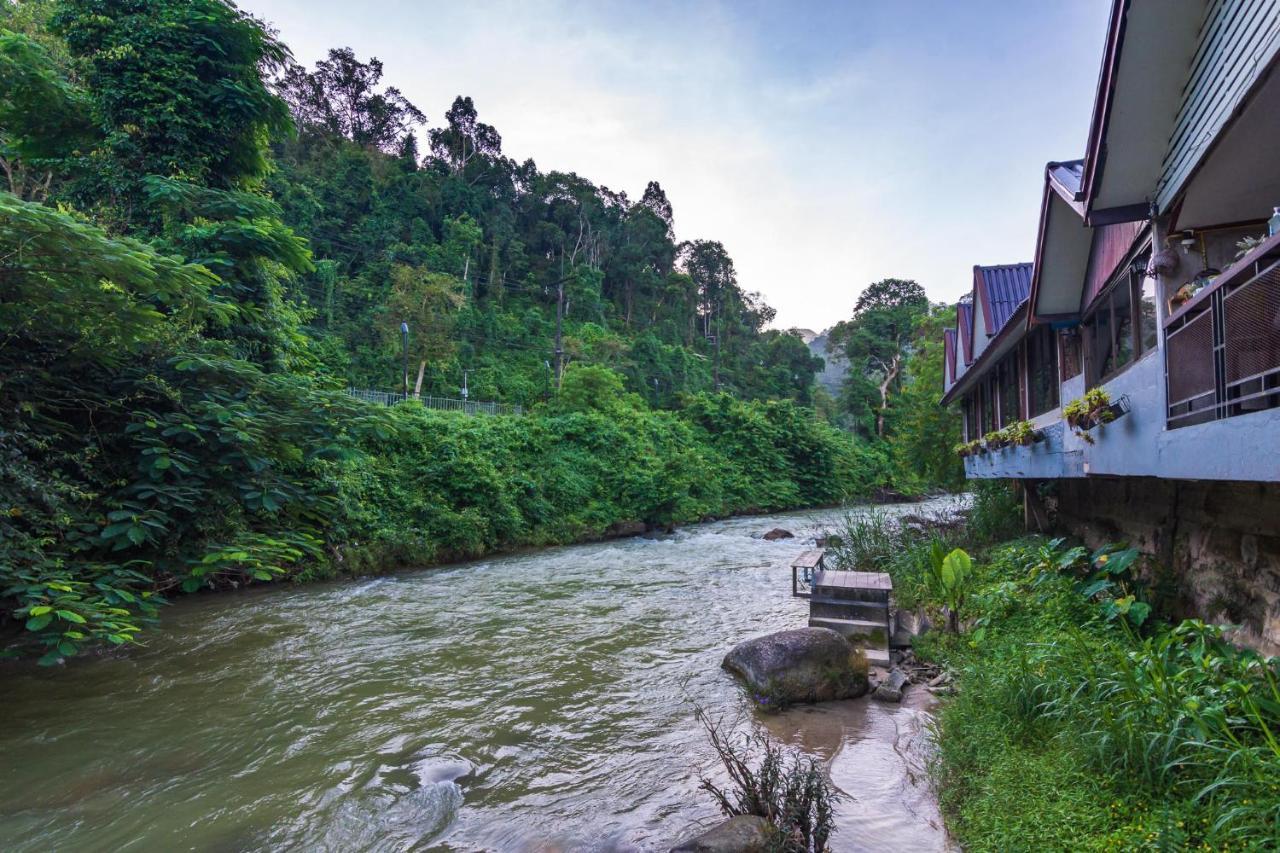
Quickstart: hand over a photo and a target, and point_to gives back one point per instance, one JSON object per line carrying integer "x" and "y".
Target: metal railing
{"x": 1223, "y": 357}
{"x": 444, "y": 404}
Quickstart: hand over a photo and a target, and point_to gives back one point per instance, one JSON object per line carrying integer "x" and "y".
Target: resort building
{"x": 1135, "y": 387}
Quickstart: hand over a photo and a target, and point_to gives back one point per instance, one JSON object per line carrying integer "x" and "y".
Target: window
{"x": 1123, "y": 325}
{"x": 988, "y": 423}
{"x": 1010, "y": 392}
{"x": 971, "y": 419}
{"x": 1069, "y": 340}
{"x": 1148, "y": 331}
{"x": 1042, "y": 370}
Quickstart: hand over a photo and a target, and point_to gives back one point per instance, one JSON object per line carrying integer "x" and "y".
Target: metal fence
{"x": 446, "y": 404}
{"x": 1223, "y": 357}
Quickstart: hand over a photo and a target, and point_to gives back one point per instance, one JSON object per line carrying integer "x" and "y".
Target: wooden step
{"x": 877, "y": 657}
{"x": 832, "y": 599}
{"x": 853, "y": 629}
{"x": 856, "y": 610}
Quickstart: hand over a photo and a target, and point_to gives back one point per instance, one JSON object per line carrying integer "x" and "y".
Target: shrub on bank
{"x": 1080, "y": 725}
{"x": 220, "y": 475}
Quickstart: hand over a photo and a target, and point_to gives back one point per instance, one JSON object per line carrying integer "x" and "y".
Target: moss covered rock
{"x": 802, "y": 665}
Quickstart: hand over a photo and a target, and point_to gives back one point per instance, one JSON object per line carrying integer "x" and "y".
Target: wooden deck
{"x": 871, "y": 581}
{"x": 854, "y": 604}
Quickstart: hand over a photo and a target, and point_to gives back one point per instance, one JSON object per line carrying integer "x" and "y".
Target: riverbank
{"x": 531, "y": 701}
{"x": 349, "y": 489}
{"x": 1087, "y": 715}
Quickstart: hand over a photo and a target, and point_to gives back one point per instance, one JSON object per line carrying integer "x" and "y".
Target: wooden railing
{"x": 1222, "y": 348}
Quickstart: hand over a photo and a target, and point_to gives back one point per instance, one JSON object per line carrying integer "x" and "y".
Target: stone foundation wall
{"x": 1217, "y": 544}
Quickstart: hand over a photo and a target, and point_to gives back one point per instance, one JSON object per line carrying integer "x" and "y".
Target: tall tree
{"x": 465, "y": 137}
{"x": 177, "y": 92}
{"x": 925, "y": 433}
{"x": 44, "y": 118}
{"x": 342, "y": 97}
{"x": 876, "y": 342}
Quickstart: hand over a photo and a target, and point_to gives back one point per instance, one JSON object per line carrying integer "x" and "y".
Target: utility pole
{"x": 404, "y": 345}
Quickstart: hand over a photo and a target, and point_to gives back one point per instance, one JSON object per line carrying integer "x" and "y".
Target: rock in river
{"x": 778, "y": 533}
{"x": 890, "y": 690}
{"x": 741, "y": 834}
{"x": 803, "y": 665}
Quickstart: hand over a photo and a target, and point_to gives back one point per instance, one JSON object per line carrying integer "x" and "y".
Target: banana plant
{"x": 949, "y": 580}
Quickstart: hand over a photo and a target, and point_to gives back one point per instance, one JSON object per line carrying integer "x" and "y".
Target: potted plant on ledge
{"x": 1093, "y": 409}
{"x": 995, "y": 440}
{"x": 1024, "y": 434}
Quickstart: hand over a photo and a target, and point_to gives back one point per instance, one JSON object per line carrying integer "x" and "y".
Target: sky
{"x": 827, "y": 145}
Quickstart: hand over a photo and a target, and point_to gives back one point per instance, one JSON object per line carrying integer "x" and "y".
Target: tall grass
{"x": 877, "y": 541}
{"x": 792, "y": 793}
{"x": 1075, "y": 729}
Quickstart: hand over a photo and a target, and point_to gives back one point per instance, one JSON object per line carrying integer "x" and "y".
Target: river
{"x": 531, "y": 702}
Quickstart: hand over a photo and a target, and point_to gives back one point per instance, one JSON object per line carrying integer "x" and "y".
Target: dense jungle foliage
{"x": 202, "y": 244}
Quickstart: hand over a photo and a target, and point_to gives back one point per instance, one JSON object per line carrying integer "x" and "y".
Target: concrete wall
{"x": 1217, "y": 543}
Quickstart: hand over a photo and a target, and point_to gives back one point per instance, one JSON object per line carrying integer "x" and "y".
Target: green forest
{"x": 203, "y": 244}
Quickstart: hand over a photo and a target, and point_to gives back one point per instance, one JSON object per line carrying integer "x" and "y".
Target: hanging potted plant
{"x": 1093, "y": 409}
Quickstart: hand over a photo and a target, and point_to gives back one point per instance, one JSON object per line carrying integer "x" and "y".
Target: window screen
{"x": 1069, "y": 341}
{"x": 1010, "y": 402}
{"x": 988, "y": 407}
{"x": 1042, "y": 370}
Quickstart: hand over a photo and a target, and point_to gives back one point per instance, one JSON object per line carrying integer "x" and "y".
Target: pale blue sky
{"x": 827, "y": 145}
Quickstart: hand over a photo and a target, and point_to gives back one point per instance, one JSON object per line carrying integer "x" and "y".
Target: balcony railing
{"x": 1222, "y": 349}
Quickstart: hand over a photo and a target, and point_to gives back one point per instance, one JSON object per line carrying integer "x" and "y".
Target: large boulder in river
{"x": 741, "y": 834}
{"x": 778, "y": 533}
{"x": 803, "y": 665}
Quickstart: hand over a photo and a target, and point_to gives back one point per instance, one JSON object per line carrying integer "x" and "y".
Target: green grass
{"x": 1076, "y": 727}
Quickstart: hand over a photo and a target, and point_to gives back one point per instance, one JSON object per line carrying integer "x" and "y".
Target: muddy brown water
{"x": 533, "y": 702}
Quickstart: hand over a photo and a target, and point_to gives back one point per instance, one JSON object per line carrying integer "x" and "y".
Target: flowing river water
{"x": 532, "y": 702}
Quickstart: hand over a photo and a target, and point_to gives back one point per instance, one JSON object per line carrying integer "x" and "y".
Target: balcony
{"x": 1222, "y": 348}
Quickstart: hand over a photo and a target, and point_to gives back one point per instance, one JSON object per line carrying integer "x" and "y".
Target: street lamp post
{"x": 404, "y": 346}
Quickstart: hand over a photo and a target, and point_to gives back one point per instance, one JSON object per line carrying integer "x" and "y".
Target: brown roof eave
{"x": 1046, "y": 201}
{"x": 1095, "y": 150}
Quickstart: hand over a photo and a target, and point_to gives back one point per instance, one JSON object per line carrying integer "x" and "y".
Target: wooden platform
{"x": 871, "y": 581}
{"x": 854, "y": 604}
{"x": 809, "y": 559}
{"x": 803, "y": 569}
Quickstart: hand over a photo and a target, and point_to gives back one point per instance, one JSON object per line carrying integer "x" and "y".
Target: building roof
{"x": 1000, "y": 346}
{"x": 1149, "y": 50}
{"x": 948, "y": 356}
{"x": 1067, "y": 176}
{"x": 1062, "y": 244}
{"x": 1002, "y": 289}
{"x": 964, "y": 325}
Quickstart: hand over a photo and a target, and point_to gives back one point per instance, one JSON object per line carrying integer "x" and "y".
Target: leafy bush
{"x": 1081, "y": 722}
